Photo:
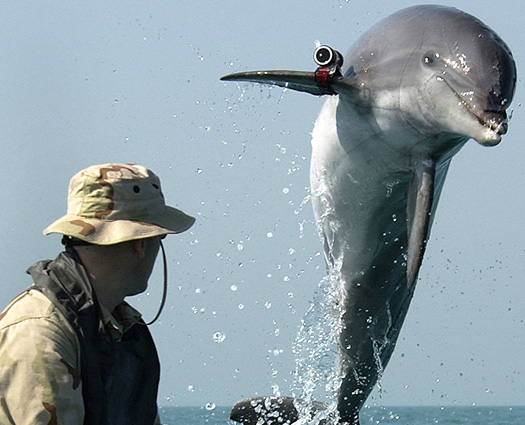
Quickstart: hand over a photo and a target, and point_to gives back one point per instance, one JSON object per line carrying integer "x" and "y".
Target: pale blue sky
{"x": 91, "y": 82}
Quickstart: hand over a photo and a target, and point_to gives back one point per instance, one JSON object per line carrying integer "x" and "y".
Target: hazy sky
{"x": 93, "y": 82}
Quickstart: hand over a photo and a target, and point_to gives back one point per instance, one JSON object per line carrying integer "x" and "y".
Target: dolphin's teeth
{"x": 493, "y": 120}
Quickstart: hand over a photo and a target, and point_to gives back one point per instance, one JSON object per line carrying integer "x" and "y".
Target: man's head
{"x": 113, "y": 203}
{"x": 116, "y": 217}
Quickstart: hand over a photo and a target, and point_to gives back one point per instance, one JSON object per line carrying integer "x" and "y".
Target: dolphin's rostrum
{"x": 413, "y": 90}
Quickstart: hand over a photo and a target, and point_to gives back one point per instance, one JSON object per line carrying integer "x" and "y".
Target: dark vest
{"x": 119, "y": 378}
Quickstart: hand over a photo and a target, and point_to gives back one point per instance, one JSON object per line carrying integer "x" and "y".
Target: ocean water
{"x": 448, "y": 415}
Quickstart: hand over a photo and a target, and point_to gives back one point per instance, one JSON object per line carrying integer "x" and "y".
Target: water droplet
{"x": 191, "y": 389}
{"x": 269, "y": 235}
{"x": 233, "y": 288}
{"x": 210, "y": 406}
{"x": 219, "y": 337}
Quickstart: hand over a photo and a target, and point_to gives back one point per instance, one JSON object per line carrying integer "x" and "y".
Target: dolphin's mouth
{"x": 493, "y": 120}
{"x": 495, "y": 125}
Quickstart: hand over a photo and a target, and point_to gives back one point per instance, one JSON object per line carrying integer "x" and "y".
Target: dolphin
{"x": 411, "y": 92}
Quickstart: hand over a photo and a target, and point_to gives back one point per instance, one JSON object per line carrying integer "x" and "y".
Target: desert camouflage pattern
{"x": 40, "y": 362}
{"x": 112, "y": 203}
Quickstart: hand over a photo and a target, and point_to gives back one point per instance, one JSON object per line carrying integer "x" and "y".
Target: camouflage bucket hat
{"x": 113, "y": 203}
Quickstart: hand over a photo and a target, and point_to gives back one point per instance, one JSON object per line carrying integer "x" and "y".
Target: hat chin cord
{"x": 165, "y": 290}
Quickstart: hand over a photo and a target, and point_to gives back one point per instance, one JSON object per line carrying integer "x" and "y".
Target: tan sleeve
{"x": 39, "y": 370}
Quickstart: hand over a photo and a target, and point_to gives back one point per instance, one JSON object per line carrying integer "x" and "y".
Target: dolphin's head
{"x": 441, "y": 67}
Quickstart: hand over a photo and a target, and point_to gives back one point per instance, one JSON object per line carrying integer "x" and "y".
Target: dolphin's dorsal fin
{"x": 419, "y": 209}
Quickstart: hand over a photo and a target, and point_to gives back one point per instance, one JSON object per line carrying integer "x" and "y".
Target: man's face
{"x": 148, "y": 250}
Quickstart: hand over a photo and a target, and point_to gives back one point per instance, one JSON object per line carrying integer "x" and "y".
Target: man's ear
{"x": 139, "y": 247}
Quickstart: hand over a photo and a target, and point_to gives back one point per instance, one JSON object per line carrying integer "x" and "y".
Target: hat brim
{"x": 109, "y": 232}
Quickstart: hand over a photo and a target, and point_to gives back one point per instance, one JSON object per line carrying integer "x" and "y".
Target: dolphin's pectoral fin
{"x": 295, "y": 80}
{"x": 420, "y": 197}
{"x": 268, "y": 411}
{"x": 300, "y": 81}
{"x": 327, "y": 78}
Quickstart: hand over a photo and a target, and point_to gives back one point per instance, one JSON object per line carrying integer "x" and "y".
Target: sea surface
{"x": 448, "y": 415}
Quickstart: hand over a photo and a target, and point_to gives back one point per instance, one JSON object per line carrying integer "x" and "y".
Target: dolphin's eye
{"x": 429, "y": 58}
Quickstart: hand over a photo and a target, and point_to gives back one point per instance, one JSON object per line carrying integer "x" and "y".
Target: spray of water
{"x": 316, "y": 352}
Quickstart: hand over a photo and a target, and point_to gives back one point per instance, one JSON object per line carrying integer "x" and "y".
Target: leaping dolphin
{"x": 414, "y": 89}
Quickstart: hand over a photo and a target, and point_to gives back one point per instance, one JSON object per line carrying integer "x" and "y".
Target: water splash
{"x": 316, "y": 351}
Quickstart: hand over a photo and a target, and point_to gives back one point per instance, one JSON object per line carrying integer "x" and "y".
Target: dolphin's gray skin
{"x": 415, "y": 88}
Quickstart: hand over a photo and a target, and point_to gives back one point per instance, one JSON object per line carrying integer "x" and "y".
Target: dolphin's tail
{"x": 273, "y": 411}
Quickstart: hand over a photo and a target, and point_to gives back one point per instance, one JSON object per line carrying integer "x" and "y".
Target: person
{"x": 72, "y": 351}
